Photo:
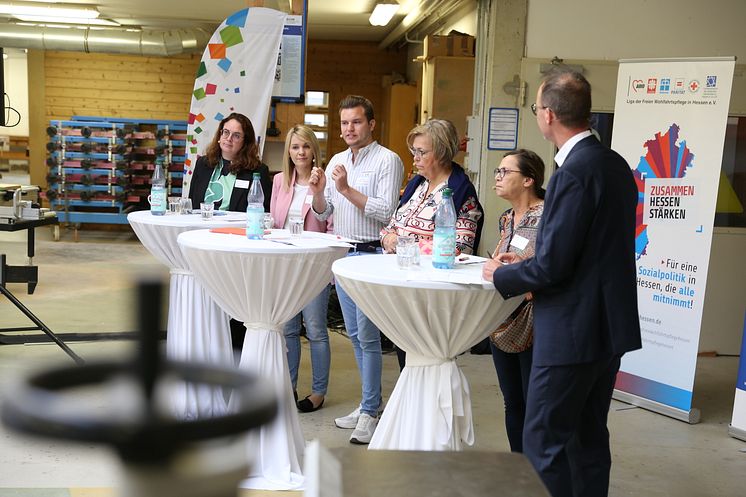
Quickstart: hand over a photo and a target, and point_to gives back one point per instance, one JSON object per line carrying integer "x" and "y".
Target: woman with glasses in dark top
{"x": 518, "y": 180}
{"x": 224, "y": 174}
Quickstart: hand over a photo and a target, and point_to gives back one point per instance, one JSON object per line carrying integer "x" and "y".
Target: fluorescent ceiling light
{"x": 36, "y": 9}
{"x": 66, "y": 20}
{"x": 383, "y": 13}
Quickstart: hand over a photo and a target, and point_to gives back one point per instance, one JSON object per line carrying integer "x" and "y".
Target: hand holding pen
{"x": 497, "y": 261}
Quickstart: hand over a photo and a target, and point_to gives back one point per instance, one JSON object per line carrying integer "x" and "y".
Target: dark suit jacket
{"x": 583, "y": 274}
{"x": 201, "y": 178}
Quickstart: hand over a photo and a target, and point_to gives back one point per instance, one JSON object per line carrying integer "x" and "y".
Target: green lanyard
{"x": 220, "y": 187}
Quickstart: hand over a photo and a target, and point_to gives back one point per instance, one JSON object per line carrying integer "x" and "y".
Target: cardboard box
{"x": 449, "y": 46}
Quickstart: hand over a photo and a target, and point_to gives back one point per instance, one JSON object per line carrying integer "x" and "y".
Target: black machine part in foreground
{"x": 39, "y": 404}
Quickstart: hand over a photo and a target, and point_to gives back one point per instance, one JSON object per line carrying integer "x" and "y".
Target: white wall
{"x": 606, "y": 30}
{"x": 16, "y": 86}
{"x": 611, "y": 30}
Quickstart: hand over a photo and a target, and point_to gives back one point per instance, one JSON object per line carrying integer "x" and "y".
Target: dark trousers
{"x": 565, "y": 435}
{"x": 401, "y": 356}
{"x": 238, "y": 333}
{"x": 513, "y": 372}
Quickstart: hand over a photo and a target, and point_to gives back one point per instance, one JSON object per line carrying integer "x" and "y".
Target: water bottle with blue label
{"x": 255, "y": 210}
{"x": 444, "y": 237}
{"x": 157, "y": 197}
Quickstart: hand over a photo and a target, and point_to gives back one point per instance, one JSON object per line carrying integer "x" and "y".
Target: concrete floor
{"x": 86, "y": 287}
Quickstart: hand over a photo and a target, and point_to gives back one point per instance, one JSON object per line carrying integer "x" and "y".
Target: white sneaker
{"x": 366, "y": 425}
{"x": 350, "y": 421}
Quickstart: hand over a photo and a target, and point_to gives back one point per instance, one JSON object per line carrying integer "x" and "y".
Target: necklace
{"x": 433, "y": 184}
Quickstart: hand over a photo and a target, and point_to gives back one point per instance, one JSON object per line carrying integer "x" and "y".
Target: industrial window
{"x": 317, "y": 118}
{"x": 732, "y": 190}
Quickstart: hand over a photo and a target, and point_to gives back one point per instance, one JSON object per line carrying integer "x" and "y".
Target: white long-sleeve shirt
{"x": 377, "y": 173}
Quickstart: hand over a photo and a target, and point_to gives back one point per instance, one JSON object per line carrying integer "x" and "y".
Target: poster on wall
{"x": 737, "y": 427}
{"x": 288, "y": 85}
{"x": 669, "y": 124}
{"x": 236, "y": 74}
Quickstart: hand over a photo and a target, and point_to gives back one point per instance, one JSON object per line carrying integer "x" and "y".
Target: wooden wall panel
{"x": 111, "y": 85}
{"x": 132, "y": 86}
{"x": 344, "y": 67}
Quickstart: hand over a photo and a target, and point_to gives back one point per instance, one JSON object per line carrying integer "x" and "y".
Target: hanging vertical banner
{"x": 291, "y": 64}
{"x": 669, "y": 124}
{"x": 236, "y": 74}
{"x": 737, "y": 427}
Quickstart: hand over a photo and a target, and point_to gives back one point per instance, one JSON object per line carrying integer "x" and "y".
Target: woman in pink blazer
{"x": 290, "y": 199}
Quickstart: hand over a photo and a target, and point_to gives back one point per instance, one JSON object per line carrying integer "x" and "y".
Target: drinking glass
{"x": 296, "y": 226}
{"x": 405, "y": 251}
{"x": 206, "y": 209}
{"x": 186, "y": 205}
{"x": 268, "y": 222}
{"x": 174, "y": 205}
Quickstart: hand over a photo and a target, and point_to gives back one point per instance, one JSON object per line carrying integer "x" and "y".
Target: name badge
{"x": 241, "y": 183}
{"x": 519, "y": 242}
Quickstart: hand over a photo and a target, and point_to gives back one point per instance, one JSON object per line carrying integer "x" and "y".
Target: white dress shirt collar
{"x": 362, "y": 152}
{"x": 569, "y": 144}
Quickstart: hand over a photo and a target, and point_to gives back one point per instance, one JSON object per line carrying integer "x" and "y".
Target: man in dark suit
{"x": 584, "y": 291}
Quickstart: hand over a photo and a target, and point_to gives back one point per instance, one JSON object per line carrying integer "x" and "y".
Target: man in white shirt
{"x": 361, "y": 187}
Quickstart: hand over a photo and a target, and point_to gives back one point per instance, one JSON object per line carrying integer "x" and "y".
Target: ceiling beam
{"x": 428, "y": 11}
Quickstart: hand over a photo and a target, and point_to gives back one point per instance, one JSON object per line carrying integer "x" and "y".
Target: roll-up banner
{"x": 236, "y": 74}
{"x": 737, "y": 428}
{"x": 669, "y": 124}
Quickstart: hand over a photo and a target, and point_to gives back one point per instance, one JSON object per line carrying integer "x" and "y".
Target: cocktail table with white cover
{"x": 265, "y": 283}
{"x": 198, "y": 329}
{"x": 433, "y": 321}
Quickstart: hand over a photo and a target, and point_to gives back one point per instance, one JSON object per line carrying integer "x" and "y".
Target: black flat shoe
{"x": 295, "y": 396}
{"x": 306, "y": 405}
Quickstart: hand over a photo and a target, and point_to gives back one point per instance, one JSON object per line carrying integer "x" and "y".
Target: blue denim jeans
{"x": 366, "y": 344}
{"x": 314, "y": 315}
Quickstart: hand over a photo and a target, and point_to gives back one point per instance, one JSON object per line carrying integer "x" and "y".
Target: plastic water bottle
{"x": 157, "y": 196}
{"x": 255, "y": 210}
{"x": 444, "y": 237}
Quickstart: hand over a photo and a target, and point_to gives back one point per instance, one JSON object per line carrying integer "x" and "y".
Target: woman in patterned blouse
{"x": 433, "y": 146}
{"x": 518, "y": 180}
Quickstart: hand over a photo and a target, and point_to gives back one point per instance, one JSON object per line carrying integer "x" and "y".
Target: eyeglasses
{"x": 233, "y": 136}
{"x": 418, "y": 152}
{"x": 500, "y": 172}
{"x": 535, "y": 108}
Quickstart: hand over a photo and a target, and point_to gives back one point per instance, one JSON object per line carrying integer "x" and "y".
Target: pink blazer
{"x": 280, "y": 205}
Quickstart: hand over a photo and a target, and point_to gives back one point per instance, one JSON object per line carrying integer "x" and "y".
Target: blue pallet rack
{"x": 163, "y": 129}
{"x": 173, "y": 162}
{"x": 87, "y": 171}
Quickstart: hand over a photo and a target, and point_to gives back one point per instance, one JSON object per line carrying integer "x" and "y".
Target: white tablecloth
{"x": 198, "y": 329}
{"x": 264, "y": 284}
{"x": 430, "y": 407}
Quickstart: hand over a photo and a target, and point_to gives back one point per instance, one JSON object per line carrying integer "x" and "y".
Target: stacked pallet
{"x": 100, "y": 168}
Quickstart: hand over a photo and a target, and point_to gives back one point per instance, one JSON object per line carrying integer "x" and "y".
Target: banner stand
{"x": 670, "y": 118}
{"x": 692, "y": 416}
{"x": 737, "y": 426}
{"x": 737, "y": 433}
